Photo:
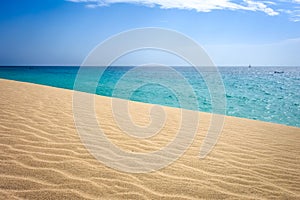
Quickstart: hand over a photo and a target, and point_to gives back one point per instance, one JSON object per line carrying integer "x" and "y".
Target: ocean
{"x": 270, "y": 94}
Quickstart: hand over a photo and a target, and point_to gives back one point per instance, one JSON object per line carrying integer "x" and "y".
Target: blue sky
{"x": 59, "y": 32}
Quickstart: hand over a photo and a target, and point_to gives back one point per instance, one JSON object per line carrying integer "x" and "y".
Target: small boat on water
{"x": 278, "y": 72}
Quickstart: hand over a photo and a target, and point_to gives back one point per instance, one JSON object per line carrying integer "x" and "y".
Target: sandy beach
{"x": 42, "y": 156}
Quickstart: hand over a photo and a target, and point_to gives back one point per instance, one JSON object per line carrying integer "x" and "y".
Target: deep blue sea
{"x": 256, "y": 93}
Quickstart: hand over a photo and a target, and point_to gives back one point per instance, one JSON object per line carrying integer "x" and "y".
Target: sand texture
{"x": 42, "y": 156}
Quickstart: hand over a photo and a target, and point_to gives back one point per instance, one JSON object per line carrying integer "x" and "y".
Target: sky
{"x": 232, "y": 32}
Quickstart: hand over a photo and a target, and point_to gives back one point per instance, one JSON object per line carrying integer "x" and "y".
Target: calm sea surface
{"x": 269, "y": 94}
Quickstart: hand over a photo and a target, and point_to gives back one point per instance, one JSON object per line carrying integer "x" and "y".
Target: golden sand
{"x": 42, "y": 156}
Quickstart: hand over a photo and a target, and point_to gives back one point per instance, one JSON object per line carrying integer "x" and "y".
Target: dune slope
{"x": 42, "y": 156}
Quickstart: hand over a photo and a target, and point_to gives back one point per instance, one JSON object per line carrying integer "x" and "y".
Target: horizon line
{"x": 35, "y": 65}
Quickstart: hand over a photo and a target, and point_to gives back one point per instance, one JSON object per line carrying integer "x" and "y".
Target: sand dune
{"x": 42, "y": 156}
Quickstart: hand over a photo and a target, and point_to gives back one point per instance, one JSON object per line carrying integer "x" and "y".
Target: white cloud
{"x": 260, "y": 6}
{"x": 198, "y": 5}
{"x": 270, "y": 7}
{"x": 295, "y": 15}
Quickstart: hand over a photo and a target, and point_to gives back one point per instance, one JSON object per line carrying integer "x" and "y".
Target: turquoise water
{"x": 255, "y": 93}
